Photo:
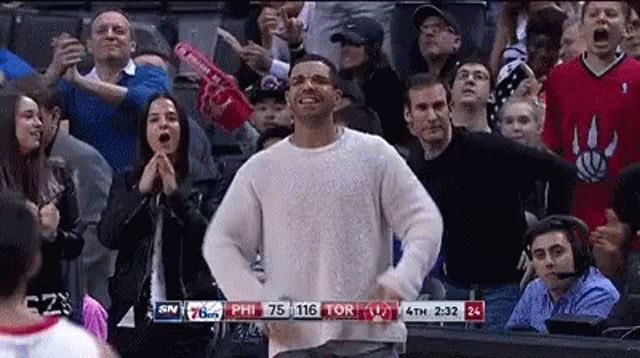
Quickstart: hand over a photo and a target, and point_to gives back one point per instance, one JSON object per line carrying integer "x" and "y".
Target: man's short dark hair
{"x": 280, "y": 132}
{"x": 312, "y": 57}
{"x": 476, "y": 60}
{"x": 626, "y": 9}
{"x": 49, "y": 98}
{"x": 574, "y": 230}
{"x": 424, "y": 80}
{"x": 112, "y": 9}
{"x": 19, "y": 242}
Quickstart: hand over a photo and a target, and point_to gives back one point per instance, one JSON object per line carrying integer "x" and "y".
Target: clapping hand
{"x": 49, "y": 219}
{"x": 158, "y": 168}
{"x": 167, "y": 175}
{"x": 67, "y": 52}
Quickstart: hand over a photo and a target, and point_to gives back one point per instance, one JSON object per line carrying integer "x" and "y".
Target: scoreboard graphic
{"x": 374, "y": 311}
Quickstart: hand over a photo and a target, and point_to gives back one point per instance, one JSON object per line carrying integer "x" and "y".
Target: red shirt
{"x": 593, "y": 120}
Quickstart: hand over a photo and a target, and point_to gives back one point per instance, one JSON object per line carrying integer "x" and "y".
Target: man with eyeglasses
{"x": 439, "y": 41}
{"x": 471, "y": 93}
{"x": 327, "y": 237}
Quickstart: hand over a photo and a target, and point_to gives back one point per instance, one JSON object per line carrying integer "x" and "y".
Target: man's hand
{"x": 67, "y": 52}
{"x": 530, "y": 86}
{"x": 607, "y": 241}
{"x": 72, "y": 74}
{"x": 615, "y": 232}
{"x": 291, "y": 31}
{"x": 384, "y": 293}
{"x": 257, "y": 57}
{"x": 49, "y": 221}
{"x": 268, "y": 20}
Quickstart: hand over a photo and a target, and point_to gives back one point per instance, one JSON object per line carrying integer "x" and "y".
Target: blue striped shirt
{"x": 592, "y": 294}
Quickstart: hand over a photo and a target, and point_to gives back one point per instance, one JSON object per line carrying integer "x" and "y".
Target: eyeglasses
{"x": 316, "y": 80}
{"x": 476, "y": 75}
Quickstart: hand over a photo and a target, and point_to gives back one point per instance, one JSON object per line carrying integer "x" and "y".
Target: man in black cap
{"x": 439, "y": 41}
{"x": 363, "y": 61}
{"x": 270, "y": 106}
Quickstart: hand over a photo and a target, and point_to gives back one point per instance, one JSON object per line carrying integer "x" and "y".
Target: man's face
{"x": 428, "y": 114}
{"x": 472, "y": 85}
{"x": 50, "y": 119}
{"x": 552, "y": 254}
{"x": 111, "y": 38}
{"x": 603, "y": 27}
{"x": 572, "y": 44}
{"x": 352, "y": 56}
{"x": 437, "y": 39}
{"x": 312, "y": 94}
{"x": 542, "y": 54}
{"x": 269, "y": 113}
{"x": 631, "y": 41}
{"x": 518, "y": 123}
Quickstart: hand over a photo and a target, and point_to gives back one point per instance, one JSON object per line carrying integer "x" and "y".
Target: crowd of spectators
{"x": 528, "y": 158}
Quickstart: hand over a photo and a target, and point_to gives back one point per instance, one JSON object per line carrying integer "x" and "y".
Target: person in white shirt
{"x": 328, "y": 235}
{"x": 24, "y": 333}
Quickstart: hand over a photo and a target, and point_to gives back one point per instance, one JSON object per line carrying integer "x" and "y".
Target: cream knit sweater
{"x": 323, "y": 219}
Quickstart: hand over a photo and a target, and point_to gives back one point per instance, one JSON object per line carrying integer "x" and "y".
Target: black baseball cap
{"x": 268, "y": 86}
{"x": 360, "y": 31}
{"x": 425, "y": 11}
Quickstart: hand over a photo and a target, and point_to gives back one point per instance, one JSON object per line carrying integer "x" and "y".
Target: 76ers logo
{"x": 592, "y": 162}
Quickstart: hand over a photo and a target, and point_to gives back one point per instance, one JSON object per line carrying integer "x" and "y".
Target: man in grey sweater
{"x": 321, "y": 207}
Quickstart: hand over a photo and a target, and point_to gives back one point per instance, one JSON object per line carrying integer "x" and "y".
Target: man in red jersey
{"x": 593, "y": 118}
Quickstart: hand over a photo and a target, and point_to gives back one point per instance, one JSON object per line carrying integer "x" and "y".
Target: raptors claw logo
{"x": 592, "y": 163}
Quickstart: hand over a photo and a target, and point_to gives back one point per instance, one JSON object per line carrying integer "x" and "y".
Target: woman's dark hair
{"x": 144, "y": 150}
{"x": 18, "y": 173}
{"x": 19, "y": 242}
{"x": 376, "y": 59}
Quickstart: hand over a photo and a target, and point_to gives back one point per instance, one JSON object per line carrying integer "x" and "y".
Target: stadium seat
{"x": 32, "y": 36}
{"x": 6, "y": 26}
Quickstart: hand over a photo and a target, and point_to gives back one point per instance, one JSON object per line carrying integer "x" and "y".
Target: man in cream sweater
{"x": 321, "y": 206}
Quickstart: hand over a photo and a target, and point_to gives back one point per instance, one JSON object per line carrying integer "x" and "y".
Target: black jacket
{"x": 61, "y": 191}
{"x": 477, "y": 184}
{"x": 128, "y": 226}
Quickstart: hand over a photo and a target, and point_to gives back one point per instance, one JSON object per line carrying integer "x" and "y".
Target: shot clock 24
{"x": 443, "y": 311}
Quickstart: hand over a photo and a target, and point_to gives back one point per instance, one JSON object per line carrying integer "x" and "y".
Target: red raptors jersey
{"x": 593, "y": 120}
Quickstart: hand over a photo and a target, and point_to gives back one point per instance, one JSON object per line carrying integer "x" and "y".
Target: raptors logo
{"x": 592, "y": 162}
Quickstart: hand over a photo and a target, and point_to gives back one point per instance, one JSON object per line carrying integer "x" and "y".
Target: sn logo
{"x": 168, "y": 311}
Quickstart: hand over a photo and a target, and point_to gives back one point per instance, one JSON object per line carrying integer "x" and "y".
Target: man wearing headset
{"x": 568, "y": 282}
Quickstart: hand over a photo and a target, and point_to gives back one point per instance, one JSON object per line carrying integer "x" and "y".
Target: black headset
{"x": 576, "y": 231}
